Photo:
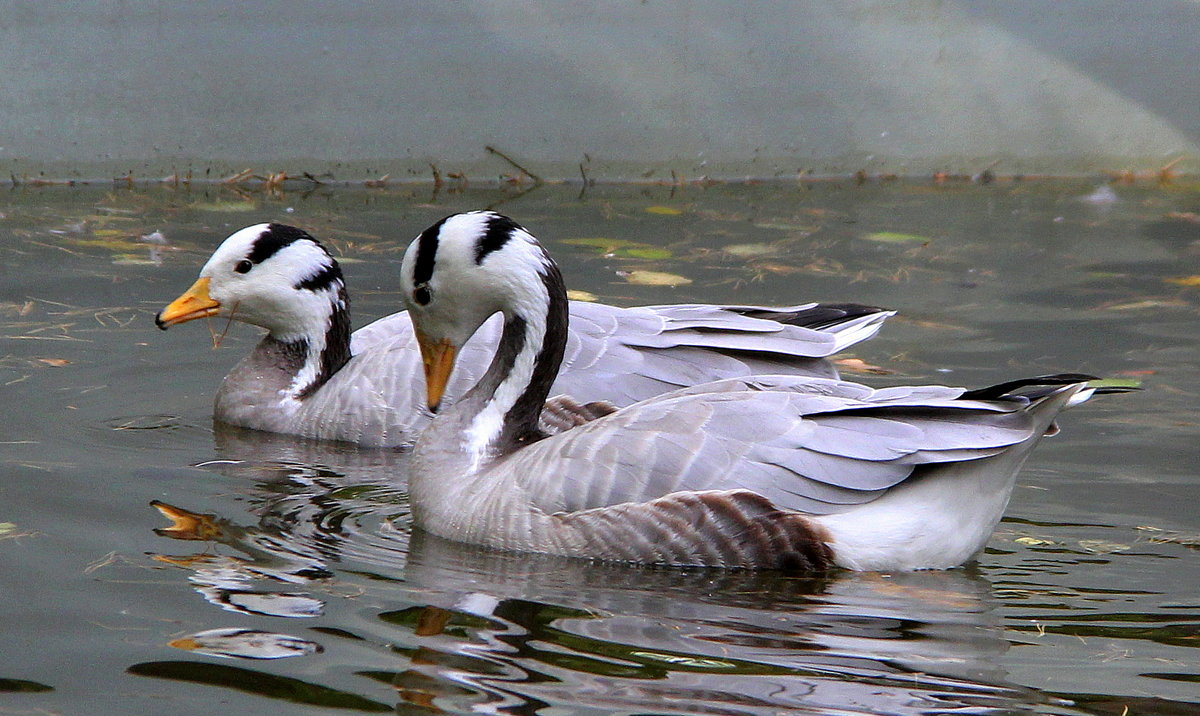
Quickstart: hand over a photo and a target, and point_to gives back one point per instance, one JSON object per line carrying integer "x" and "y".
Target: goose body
{"x": 754, "y": 471}
{"x": 310, "y": 376}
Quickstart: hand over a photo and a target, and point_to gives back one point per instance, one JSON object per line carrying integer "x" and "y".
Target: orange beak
{"x": 194, "y": 303}
{"x": 439, "y": 362}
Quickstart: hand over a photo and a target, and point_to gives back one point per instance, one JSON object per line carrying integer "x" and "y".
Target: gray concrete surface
{"x": 629, "y": 89}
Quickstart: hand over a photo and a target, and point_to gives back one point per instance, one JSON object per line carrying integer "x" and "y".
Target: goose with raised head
{"x": 310, "y": 376}
{"x": 746, "y": 472}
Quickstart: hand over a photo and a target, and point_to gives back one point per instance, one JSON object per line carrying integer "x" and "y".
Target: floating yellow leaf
{"x": 56, "y": 362}
{"x": 622, "y": 247}
{"x": 603, "y": 243}
{"x": 656, "y": 278}
{"x": 1099, "y": 546}
{"x": 1130, "y": 383}
{"x": 663, "y": 210}
{"x": 1033, "y": 541}
{"x": 780, "y": 226}
{"x": 226, "y": 206}
{"x": 1190, "y": 281}
{"x": 892, "y": 237}
{"x": 749, "y": 251}
{"x": 1144, "y": 305}
{"x": 577, "y": 295}
{"x": 121, "y": 245}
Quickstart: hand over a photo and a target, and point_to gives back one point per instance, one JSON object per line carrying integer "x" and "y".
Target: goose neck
{"x": 507, "y": 402}
{"x": 316, "y": 355}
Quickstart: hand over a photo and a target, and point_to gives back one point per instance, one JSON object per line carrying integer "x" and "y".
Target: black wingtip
{"x": 1003, "y": 390}
{"x": 822, "y": 315}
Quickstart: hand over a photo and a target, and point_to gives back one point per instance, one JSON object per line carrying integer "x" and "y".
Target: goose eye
{"x": 421, "y": 294}
{"x": 243, "y": 266}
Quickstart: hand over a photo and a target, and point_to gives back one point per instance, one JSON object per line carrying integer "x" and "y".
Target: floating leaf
{"x": 1189, "y": 281}
{"x": 652, "y": 253}
{"x": 749, "y": 251}
{"x": 7, "y": 528}
{"x": 122, "y": 245}
{"x": 577, "y": 295}
{"x": 663, "y": 210}
{"x": 656, "y": 278}
{"x": 1146, "y": 304}
{"x": 622, "y": 247}
{"x": 1115, "y": 383}
{"x": 133, "y": 260}
{"x": 1033, "y": 541}
{"x": 803, "y": 228}
{"x": 56, "y": 362}
{"x": 1099, "y": 546}
{"x": 605, "y": 244}
{"x": 226, "y": 206}
{"x": 892, "y": 237}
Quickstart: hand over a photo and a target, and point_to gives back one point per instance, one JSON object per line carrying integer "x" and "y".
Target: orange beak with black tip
{"x": 194, "y": 303}
{"x": 438, "y": 358}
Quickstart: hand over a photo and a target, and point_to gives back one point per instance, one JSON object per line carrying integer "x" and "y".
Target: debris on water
{"x": 654, "y": 278}
{"x": 1103, "y": 195}
{"x": 1099, "y": 546}
{"x": 857, "y": 365}
{"x": 663, "y": 210}
{"x": 750, "y": 251}
{"x": 622, "y": 248}
{"x": 577, "y": 295}
{"x": 1034, "y": 541}
{"x": 895, "y": 237}
{"x": 1188, "y": 281}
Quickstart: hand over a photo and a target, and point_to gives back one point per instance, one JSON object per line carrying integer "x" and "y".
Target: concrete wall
{"x": 631, "y": 89}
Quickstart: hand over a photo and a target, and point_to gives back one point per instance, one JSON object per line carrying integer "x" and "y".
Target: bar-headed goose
{"x": 311, "y": 377}
{"x": 757, "y": 471}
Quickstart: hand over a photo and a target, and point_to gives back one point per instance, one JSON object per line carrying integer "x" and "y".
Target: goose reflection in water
{"x": 455, "y": 627}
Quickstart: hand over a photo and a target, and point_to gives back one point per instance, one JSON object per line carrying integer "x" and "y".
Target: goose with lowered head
{"x": 756, "y": 471}
{"x": 310, "y": 376}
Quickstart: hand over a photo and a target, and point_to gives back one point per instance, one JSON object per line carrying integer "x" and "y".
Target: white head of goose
{"x": 311, "y": 377}
{"x": 767, "y": 471}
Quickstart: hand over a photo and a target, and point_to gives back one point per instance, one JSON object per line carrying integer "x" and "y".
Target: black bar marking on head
{"x": 326, "y": 276}
{"x": 499, "y": 230}
{"x": 275, "y": 238}
{"x": 427, "y": 244}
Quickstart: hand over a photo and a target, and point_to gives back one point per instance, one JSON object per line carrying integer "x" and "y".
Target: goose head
{"x": 464, "y": 269}
{"x": 269, "y": 275}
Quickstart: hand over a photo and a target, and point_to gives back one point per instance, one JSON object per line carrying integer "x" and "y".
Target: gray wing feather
{"x": 809, "y": 445}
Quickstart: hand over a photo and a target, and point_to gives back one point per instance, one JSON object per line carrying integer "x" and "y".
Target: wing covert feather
{"x": 816, "y": 448}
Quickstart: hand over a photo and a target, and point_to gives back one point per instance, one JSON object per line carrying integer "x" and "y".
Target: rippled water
{"x": 299, "y": 584}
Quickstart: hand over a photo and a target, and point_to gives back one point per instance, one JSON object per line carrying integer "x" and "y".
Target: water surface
{"x": 1084, "y": 603}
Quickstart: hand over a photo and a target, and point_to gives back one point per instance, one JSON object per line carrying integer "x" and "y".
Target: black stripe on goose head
{"x": 499, "y": 230}
{"x": 427, "y": 244}
{"x": 328, "y": 275}
{"x": 275, "y": 238}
